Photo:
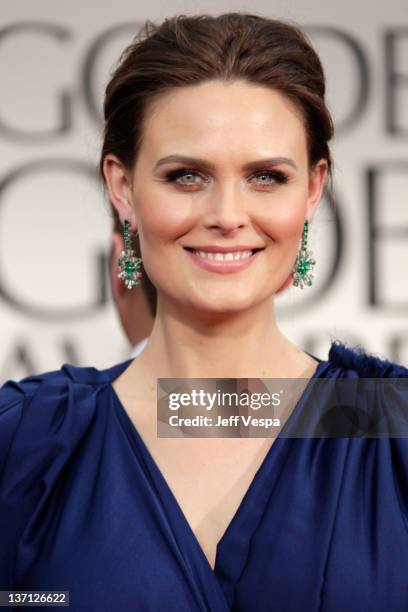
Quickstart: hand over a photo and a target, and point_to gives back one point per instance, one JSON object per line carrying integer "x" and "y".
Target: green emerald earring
{"x": 304, "y": 263}
{"x": 129, "y": 264}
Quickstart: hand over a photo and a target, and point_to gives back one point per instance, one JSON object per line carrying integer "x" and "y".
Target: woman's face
{"x": 231, "y": 198}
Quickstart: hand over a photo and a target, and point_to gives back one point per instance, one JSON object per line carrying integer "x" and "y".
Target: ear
{"x": 119, "y": 185}
{"x": 317, "y": 180}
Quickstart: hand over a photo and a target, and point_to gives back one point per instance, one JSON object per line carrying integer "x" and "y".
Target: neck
{"x": 246, "y": 345}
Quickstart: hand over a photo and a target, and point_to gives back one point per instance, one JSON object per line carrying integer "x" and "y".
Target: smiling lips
{"x": 223, "y": 249}
{"x": 223, "y": 260}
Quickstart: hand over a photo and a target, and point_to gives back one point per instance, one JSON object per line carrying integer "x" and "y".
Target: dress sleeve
{"x": 390, "y": 412}
{"x": 388, "y": 409}
{"x": 43, "y": 419}
{"x": 399, "y": 444}
{"x": 16, "y": 501}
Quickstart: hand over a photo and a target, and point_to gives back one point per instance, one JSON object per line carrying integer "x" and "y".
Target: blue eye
{"x": 278, "y": 177}
{"x": 175, "y": 175}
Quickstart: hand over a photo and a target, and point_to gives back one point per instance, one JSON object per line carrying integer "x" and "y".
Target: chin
{"x": 220, "y": 304}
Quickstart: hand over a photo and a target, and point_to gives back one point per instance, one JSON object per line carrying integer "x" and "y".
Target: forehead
{"x": 216, "y": 116}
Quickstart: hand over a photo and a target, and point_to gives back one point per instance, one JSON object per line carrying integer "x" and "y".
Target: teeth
{"x": 224, "y": 256}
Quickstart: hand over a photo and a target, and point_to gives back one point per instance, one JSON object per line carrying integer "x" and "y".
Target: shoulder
{"x": 376, "y": 394}
{"x": 37, "y": 412}
{"x": 43, "y": 420}
{"x": 373, "y": 391}
{"x": 365, "y": 364}
{"x": 380, "y": 403}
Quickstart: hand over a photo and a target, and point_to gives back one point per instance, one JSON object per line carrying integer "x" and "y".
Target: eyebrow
{"x": 186, "y": 159}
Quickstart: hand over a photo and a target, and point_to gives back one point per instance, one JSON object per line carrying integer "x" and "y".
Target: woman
{"x": 216, "y": 139}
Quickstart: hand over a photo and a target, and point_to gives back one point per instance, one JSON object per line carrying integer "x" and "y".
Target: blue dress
{"x": 84, "y": 508}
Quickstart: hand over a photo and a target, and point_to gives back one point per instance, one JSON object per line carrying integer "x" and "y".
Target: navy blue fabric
{"x": 85, "y": 509}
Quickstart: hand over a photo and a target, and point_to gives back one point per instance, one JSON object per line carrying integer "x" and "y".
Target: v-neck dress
{"x": 84, "y": 508}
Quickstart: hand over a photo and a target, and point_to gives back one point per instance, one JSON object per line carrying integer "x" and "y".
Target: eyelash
{"x": 173, "y": 175}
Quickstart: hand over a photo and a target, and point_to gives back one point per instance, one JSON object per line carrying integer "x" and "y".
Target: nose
{"x": 226, "y": 210}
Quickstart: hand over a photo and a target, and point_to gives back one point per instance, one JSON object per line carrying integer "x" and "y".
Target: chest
{"x": 208, "y": 477}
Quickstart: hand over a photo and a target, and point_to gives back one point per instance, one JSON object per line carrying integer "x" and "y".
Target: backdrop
{"x": 55, "y": 301}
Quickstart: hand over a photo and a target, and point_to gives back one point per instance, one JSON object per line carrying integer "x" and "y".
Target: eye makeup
{"x": 173, "y": 176}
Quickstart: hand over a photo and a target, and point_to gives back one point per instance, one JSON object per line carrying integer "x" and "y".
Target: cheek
{"x": 284, "y": 222}
{"x": 164, "y": 219}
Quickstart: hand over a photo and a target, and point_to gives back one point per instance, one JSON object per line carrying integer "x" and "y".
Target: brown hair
{"x": 188, "y": 50}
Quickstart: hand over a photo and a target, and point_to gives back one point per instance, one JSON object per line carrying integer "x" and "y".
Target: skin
{"x": 209, "y": 324}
